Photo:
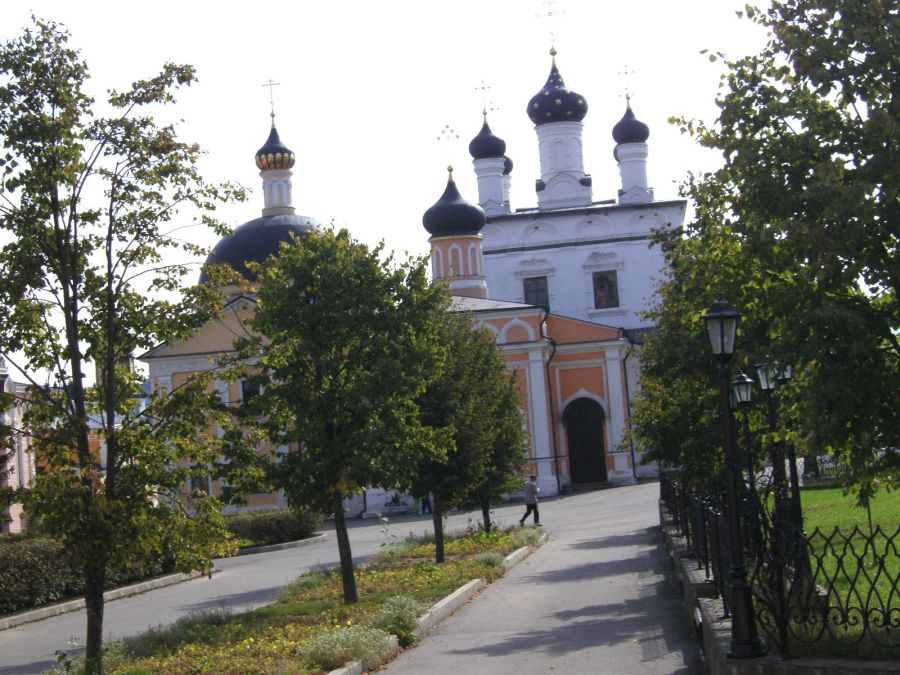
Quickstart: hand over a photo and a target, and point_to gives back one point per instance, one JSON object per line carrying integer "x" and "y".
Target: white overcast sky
{"x": 366, "y": 87}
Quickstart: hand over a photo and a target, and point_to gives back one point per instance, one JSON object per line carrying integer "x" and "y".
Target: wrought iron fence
{"x": 818, "y": 592}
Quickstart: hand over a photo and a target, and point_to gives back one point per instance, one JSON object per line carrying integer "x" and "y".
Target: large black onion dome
{"x": 486, "y": 145}
{"x": 274, "y": 154}
{"x": 452, "y": 215}
{"x": 630, "y": 129}
{"x": 555, "y": 102}
{"x": 507, "y": 165}
{"x": 256, "y": 240}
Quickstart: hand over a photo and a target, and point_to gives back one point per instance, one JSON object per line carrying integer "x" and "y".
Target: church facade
{"x": 561, "y": 285}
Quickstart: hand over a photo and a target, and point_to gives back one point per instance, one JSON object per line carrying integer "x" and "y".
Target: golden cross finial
{"x": 447, "y": 134}
{"x": 626, "y": 74}
{"x": 271, "y": 85}
{"x": 550, "y": 13}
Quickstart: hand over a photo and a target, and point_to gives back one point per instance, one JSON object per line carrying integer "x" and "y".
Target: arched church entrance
{"x": 585, "y": 436}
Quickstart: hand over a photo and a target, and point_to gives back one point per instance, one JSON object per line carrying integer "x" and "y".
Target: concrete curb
{"x": 315, "y": 539}
{"x": 358, "y": 667}
{"x": 115, "y": 594}
{"x": 445, "y": 607}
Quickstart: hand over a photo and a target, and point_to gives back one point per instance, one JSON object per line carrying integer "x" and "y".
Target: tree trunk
{"x": 438, "y": 518}
{"x": 486, "y": 513}
{"x": 95, "y": 581}
{"x": 343, "y": 540}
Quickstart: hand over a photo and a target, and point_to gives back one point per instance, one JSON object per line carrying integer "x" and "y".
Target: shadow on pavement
{"x": 655, "y": 620}
{"x": 641, "y": 537}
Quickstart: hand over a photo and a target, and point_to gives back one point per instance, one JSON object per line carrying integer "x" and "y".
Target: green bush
{"x": 332, "y": 650}
{"x": 398, "y": 616}
{"x": 273, "y": 526}
{"x": 36, "y": 571}
{"x": 489, "y": 559}
{"x": 527, "y": 536}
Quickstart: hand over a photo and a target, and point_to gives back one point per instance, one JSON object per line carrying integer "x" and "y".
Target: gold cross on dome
{"x": 271, "y": 85}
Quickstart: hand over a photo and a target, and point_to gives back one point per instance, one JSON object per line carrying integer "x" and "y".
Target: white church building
{"x": 560, "y": 284}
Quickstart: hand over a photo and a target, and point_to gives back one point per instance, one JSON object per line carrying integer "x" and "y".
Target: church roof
{"x": 486, "y": 144}
{"x": 461, "y": 303}
{"x": 555, "y": 102}
{"x": 256, "y": 240}
{"x": 451, "y": 215}
{"x": 274, "y": 154}
{"x": 630, "y": 129}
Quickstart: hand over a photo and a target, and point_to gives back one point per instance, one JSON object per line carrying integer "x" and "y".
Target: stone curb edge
{"x": 315, "y": 539}
{"x": 446, "y": 606}
{"x": 115, "y": 594}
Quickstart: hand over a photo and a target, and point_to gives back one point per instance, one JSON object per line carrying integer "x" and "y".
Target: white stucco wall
{"x": 568, "y": 245}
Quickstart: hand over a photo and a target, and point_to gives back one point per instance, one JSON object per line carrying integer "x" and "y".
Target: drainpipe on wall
{"x": 628, "y": 402}
{"x": 550, "y": 392}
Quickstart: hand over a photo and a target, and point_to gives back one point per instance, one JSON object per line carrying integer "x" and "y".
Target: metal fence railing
{"x": 829, "y": 593}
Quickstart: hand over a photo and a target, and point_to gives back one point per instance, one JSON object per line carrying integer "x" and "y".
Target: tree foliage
{"x": 87, "y": 278}
{"x": 350, "y": 344}
{"x": 799, "y": 229}
{"x": 474, "y": 403}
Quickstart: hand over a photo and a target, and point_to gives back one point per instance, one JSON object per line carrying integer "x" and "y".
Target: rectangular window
{"x": 536, "y": 291}
{"x": 606, "y": 290}
{"x": 200, "y": 483}
{"x": 249, "y": 390}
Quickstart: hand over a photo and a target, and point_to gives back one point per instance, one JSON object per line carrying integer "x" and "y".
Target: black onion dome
{"x": 507, "y": 165}
{"x": 629, "y": 129}
{"x": 486, "y": 145}
{"x": 555, "y": 102}
{"x": 256, "y": 240}
{"x": 274, "y": 154}
{"x": 452, "y": 215}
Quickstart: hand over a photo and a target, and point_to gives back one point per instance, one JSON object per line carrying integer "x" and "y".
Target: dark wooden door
{"x": 584, "y": 433}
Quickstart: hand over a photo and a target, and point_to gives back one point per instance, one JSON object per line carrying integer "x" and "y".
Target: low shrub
{"x": 332, "y": 650}
{"x": 37, "y": 571}
{"x": 273, "y": 526}
{"x": 526, "y": 536}
{"x": 398, "y": 616}
{"x": 489, "y": 559}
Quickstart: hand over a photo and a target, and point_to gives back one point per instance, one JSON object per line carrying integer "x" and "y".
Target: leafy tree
{"x": 350, "y": 344}
{"x": 508, "y": 451}
{"x": 799, "y": 228}
{"x": 85, "y": 277}
{"x": 467, "y": 403}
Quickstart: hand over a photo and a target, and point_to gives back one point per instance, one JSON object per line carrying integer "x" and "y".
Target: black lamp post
{"x": 742, "y": 393}
{"x": 784, "y": 376}
{"x": 721, "y": 325}
{"x": 769, "y": 378}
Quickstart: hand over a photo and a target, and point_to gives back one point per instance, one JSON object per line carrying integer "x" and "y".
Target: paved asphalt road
{"x": 596, "y": 598}
{"x": 594, "y": 591}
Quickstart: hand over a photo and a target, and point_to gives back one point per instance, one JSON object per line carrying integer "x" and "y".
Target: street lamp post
{"x": 742, "y": 393}
{"x": 769, "y": 378}
{"x": 721, "y": 324}
{"x": 781, "y": 519}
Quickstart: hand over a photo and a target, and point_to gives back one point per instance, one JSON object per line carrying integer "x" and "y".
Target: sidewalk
{"x": 598, "y": 597}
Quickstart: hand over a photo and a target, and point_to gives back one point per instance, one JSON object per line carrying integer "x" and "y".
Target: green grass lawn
{"x": 827, "y": 508}
{"x": 310, "y": 630}
{"x": 858, "y": 570}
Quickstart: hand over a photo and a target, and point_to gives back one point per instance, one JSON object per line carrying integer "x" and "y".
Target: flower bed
{"x": 309, "y": 630}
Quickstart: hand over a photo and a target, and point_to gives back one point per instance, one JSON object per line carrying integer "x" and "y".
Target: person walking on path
{"x": 531, "y": 500}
